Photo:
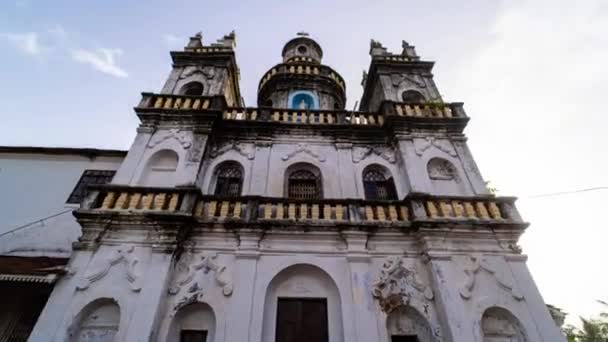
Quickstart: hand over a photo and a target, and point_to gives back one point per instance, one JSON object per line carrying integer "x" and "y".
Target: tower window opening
{"x": 229, "y": 180}
{"x": 192, "y": 88}
{"x": 303, "y": 184}
{"x": 412, "y": 96}
{"x": 302, "y": 49}
{"x": 378, "y": 186}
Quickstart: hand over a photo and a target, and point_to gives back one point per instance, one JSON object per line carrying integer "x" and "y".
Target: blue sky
{"x": 532, "y": 74}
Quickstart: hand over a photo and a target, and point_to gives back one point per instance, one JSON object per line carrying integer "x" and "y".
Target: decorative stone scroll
{"x": 423, "y": 144}
{"x": 188, "y": 287}
{"x": 386, "y": 153}
{"x": 207, "y": 71}
{"x": 246, "y": 150}
{"x": 102, "y": 267}
{"x": 184, "y": 138}
{"x": 478, "y": 264}
{"x": 303, "y": 148}
{"x": 409, "y": 80}
{"x": 396, "y": 285}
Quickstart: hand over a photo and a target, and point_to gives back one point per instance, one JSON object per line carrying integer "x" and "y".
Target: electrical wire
{"x": 553, "y": 194}
{"x": 34, "y": 222}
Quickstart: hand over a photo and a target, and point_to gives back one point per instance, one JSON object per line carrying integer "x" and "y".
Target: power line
{"x": 34, "y": 222}
{"x": 553, "y": 194}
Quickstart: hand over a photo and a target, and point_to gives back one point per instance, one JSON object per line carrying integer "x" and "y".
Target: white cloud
{"x": 535, "y": 95}
{"x": 28, "y": 42}
{"x": 102, "y": 60}
{"x": 173, "y": 40}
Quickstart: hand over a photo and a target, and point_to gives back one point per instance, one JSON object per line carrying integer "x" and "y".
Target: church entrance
{"x": 302, "y": 320}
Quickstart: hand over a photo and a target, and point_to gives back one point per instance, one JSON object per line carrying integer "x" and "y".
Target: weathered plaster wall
{"x": 35, "y": 186}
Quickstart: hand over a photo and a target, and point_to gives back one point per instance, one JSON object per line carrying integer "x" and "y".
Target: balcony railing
{"x": 302, "y": 69}
{"x": 414, "y": 209}
{"x": 179, "y": 102}
{"x": 425, "y": 110}
{"x": 303, "y": 116}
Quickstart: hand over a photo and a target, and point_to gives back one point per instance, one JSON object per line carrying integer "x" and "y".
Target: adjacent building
{"x": 295, "y": 220}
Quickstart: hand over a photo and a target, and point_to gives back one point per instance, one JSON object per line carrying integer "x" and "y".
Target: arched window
{"x": 498, "y": 324}
{"x": 304, "y": 182}
{"x": 303, "y": 99}
{"x": 378, "y": 184}
{"x": 98, "y": 321}
{"x": 229, "y": 180}
{"x": 192, "y": 88}
{"x": 412, "y": 96}
{"x": 160, "y": 169}
{"x": 441, "y": 169}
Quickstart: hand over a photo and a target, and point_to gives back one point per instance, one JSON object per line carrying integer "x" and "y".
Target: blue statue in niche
{"x": 304, "y": 100}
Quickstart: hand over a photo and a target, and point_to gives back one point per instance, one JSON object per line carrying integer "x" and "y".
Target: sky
{"x": 532, "y": 74}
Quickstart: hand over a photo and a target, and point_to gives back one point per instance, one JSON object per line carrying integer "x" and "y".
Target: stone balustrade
{"x": 415, "y": 209}
{"x": 425, "y": 110}
{"x": 134, "y": 199}
{"x": 152, "y": 101}
{"x": 303, "y": 116}
{"x": 303, "y": 69}
{"x": 209, "y": 49}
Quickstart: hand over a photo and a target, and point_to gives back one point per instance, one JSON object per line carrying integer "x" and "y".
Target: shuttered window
{"x": 377, "y": 186}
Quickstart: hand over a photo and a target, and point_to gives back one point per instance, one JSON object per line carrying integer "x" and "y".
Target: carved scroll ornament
{"x": 184, "y": 138}
{"x": 360, "y": 153}
{"x": 102, "y": 267}
{"x": 421, "y": 145}
{"x": 246, "y": 150}
{"x": 189, "y": 288}
{"x": 396, "y": 285}
{"x": 303, "y": 148}
{"x": 479, "y": 264}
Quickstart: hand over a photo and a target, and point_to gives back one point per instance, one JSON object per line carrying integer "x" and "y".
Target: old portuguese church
{"x": 293, "y": 221}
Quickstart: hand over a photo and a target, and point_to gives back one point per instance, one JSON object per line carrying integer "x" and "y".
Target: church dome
{"x": 301, "y": 81}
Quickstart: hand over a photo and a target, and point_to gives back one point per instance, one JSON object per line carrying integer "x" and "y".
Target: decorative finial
{"x": 196, "y": 41}
{"x": 302, "y": 34}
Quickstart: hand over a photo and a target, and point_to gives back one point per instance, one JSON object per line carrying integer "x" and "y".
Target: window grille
{"x": 377, "y": 186}
{"x": 304, "y": 184}
{"x": 89, "y": 177}
{"x": 229, "y": 181}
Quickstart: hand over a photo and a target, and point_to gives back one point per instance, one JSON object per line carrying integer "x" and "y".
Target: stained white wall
{"x": 35, "y": 186}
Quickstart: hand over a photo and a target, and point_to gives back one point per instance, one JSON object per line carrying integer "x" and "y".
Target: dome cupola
{"x": 301, "y": 81}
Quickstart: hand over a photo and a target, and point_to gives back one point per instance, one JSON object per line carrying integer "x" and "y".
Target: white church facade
{"x": 296, "y": 220}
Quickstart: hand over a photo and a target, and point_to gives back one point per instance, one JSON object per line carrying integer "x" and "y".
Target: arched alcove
{"x": 160, "y": 169}
{"x": 192, "y": 88}
{"x": 98, "y": 321}
{"x": 499, "y": 325}
{"x": 303, "y": 99}
{"x": 193, "y": 322}
{"x": 407, "y": 324}
{"x": 302, "y": 291}
{"x": 412, "y": 96}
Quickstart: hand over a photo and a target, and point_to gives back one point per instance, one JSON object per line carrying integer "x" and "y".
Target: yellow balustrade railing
{"x": 424, "y": 110}
{"x": 461, "y": 209}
